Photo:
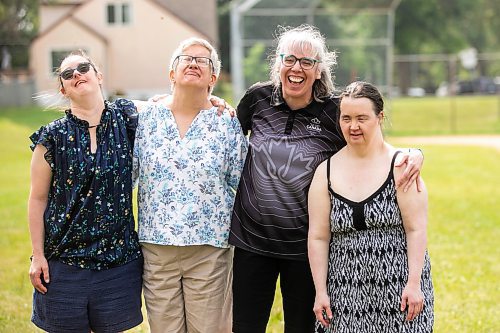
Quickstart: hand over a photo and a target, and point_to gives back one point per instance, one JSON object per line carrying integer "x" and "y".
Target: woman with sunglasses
{"x": 188, "y": 162}
{"x": 294, "y": 127}
{"x": 87, "y": 264}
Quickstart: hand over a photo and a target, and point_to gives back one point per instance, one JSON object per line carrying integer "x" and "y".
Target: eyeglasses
{"x": 305, "y": 63}
{"x": 82, "y": 68}
{"x": 200, "y": 61}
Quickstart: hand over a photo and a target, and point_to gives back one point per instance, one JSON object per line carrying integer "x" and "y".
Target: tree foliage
{"x": 255, "y": 65}
{"x": 430, "y": 26}
{"x": 447, "y": 26}
{"x": 18, "y": 26}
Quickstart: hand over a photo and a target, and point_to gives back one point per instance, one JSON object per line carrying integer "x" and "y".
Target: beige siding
{"x": 139, "y": 52}
{"x": 202, "y": 17}
{"x": 136, "y": 56}
{"x": 51, "y": 14}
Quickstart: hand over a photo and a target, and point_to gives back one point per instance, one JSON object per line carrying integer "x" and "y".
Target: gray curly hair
{"x": 307, "y": 39}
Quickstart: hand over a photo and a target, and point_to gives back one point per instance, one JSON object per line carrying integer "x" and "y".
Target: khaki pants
{"x": 187, "y": 289}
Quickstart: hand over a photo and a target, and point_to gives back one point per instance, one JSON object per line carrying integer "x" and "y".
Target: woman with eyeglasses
{"x": 293, "y": 125}
{"x": 87, "y": 264}
{"x": 188, "y": 162}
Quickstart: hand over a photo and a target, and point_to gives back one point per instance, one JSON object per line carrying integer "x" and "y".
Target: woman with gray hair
{"x": 293, "y": 122}
{"x": 188, "y": 161}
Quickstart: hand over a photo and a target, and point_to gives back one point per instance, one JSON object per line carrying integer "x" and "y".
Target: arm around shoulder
{"x": 412, "y": 160}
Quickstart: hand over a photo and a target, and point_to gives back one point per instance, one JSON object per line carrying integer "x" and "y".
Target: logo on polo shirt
{"x": 314, "y": 126}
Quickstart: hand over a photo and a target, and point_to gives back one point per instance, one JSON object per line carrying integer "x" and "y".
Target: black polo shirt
{"x": 270, "y": 212}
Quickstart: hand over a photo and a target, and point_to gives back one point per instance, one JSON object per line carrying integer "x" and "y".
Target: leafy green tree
{"x": 447, "y": 26}
{"x": 18, "y": 26}
{"x": 255, "y": 65}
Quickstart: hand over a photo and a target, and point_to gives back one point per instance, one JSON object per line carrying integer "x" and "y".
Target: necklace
{"x": 93, "y": 126}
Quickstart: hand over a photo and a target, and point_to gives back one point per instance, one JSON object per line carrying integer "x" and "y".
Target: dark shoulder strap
{"x": 330, "y": 190}
{"x": 394, "y": 159}
{"x": 391, "y": 172}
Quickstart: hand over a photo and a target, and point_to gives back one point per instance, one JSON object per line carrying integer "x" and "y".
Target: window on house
{"x": 57, "y": 56}
{"x": 118, "y": 13}
{"x": 111, "y": 14}
{"x": 125, "y": 13}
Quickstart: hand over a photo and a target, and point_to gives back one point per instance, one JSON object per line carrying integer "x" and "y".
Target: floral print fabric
{"x": 187, "y": 185}
{"x": 88, "y": 220}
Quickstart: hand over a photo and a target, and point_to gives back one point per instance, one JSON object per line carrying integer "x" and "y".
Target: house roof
{"x": 69, "y": 16}
{"x": 196, "y": 17}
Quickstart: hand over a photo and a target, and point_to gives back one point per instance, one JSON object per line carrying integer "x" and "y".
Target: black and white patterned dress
{"x": 368, "y": 266}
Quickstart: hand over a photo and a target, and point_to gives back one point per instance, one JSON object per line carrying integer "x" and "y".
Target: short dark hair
{"x": 360, "y": 89}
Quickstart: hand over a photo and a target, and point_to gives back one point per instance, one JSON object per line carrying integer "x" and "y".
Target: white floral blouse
{"x": 187, "y": 185}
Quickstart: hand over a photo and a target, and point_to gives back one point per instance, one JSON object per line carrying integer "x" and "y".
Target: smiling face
{"x": 193, "y": 75}
{"x": 358, "y": 120}
{"x": 296, "y": 82}
{"x": 79, "y": 84}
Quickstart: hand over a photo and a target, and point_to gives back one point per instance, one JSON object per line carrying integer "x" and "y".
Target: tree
{"x": 446, "y": 26}
{"x": 18, "y": 26}
{"x": 256, "y": 66}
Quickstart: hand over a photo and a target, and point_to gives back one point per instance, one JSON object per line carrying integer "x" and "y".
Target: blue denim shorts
{"x": 81, "y": 300}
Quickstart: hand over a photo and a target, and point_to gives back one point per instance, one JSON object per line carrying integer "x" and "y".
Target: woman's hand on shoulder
{"x": 221, "y": 105}
{"x": 413, "y": 161}
{"x": 158, "y": 98}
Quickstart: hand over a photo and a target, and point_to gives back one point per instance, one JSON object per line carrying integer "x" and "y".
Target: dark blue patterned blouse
{"x": 88, "y": 220}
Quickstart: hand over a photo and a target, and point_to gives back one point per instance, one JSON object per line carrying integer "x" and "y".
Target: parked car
{"x": 481, "y": 85}
{"x": 416, "y": 92}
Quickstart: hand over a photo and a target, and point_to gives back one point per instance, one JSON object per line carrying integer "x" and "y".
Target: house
{"x": 131, "y": 41}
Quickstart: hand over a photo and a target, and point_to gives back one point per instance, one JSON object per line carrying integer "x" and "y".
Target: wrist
{"x": 321, "y": 292}
{"x": 413, "y": 283}
{"x": 37, "y": 254}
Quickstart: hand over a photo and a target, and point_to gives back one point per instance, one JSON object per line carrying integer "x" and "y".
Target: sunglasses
{"x": 305, "y": 63}
{"x": 82, "y": 68}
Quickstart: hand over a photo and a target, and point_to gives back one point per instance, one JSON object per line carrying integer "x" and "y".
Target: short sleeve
{"x": 45, "y": 138}
{"x": 245, "y": 112}
{"x": 237, "y": 154}
{"x": 129, "y": 111}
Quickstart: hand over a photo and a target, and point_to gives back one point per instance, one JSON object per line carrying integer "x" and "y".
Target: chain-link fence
{"x": 447, "y": 74}
{"x": 362, "y": 33}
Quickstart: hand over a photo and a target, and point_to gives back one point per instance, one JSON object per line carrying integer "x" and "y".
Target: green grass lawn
{"x": 463, "y": 228}
{"x": 450, "y": 115}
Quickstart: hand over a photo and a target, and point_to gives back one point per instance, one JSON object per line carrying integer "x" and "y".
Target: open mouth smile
{"x": 295, "y": 79}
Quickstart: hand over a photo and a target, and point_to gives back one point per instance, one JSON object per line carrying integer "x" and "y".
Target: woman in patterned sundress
{"x": 367, "y": 239}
